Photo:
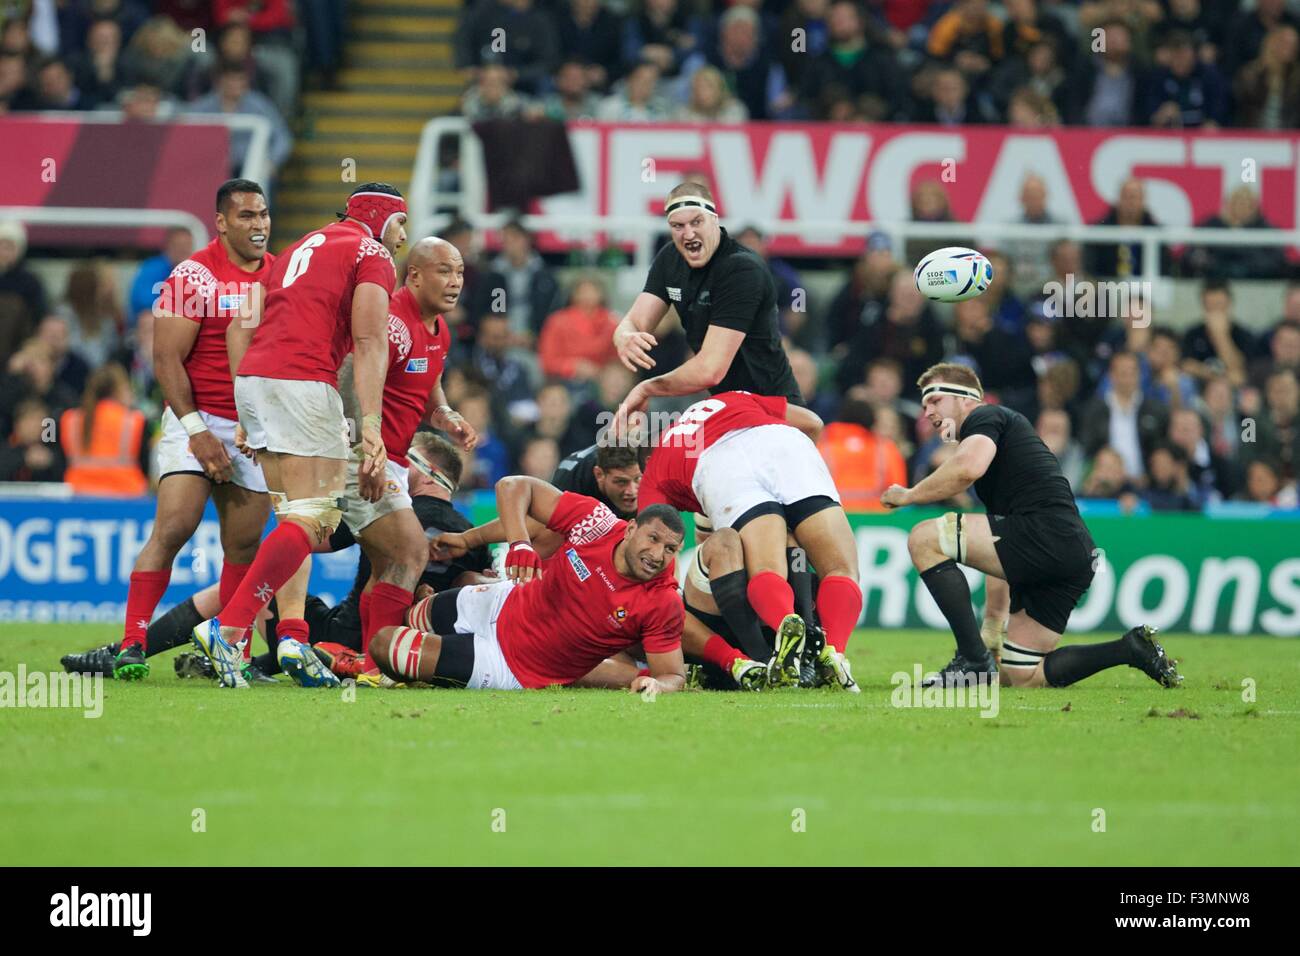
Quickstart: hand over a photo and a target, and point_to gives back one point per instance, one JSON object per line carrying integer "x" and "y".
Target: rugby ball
{"x": 953, "y": 274}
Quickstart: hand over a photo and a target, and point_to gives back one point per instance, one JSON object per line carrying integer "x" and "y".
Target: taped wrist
{"x": 193, "y": 423}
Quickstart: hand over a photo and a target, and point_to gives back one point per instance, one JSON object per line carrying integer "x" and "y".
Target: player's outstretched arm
{"x": 173, "y": 338}
{"x": 667, "y": 673}
{"x": 963, "y": 469}
{"x": 632, "y": 337}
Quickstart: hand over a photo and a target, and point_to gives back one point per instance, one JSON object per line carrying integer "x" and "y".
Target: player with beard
{"x": 610, "y": 586}
{"x": 609, "y": 473}
{"x": 197, "y": 456}
{"x": 1032, "y": 537}
{"x": 328, "y": 296}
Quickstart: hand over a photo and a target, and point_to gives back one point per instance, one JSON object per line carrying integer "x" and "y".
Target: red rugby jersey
{"x": 671, "y": 469}
{"x": 555, "y": 630}
{"x": 416, "y": 356}
{"x": 209, "y": 289}
{"x": 306, "y": 328}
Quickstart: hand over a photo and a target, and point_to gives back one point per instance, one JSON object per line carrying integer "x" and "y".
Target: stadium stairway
{"x": 397, "y": 74}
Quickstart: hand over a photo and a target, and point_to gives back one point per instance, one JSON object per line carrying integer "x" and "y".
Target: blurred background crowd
{"x": 1162, "y": 410}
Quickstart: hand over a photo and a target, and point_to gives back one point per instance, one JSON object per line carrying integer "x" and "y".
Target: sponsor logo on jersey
{"x": 418, "y": 366}
{"x": 576, "y": 563}
{"x": 620, "y": 613}
{"x": 229, "y": 303}
{"x": 674, "y": 294}
{"x": 703, "y": 298}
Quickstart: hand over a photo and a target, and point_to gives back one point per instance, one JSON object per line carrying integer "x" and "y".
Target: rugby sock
{"x": 280, "y": 555}
{"x": 839, "y": 605}
{"x": 294, "y": 627}
{"x": 231, "y": 575}
{"x": 388, "y": 604}
{"x": 719, "y": 653}
{"x": 947, "y": 585}
{"x": 142, "y": 596}
{"x": 771, "y": 598}
{"x": 801, "y": 582}
{"x": 729, "y": 593}
{"x": 172, "y": 629}
{"x": 1068, "y": 665}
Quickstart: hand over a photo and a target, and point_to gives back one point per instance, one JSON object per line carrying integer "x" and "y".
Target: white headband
{"x": 424, "y": 467}
{"x": 699, "y": 202}
{"x": 944, "y": 388}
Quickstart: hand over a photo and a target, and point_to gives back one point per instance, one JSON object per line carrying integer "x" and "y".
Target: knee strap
{"x": 952, "y": 540}
{"x": 698, "y": 574}
{"x": 404, "y": 649}
{"x": 1013, "y": 655}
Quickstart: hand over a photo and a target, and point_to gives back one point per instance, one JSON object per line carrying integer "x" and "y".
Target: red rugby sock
{"x": 280, "y": 555}
{"x": 771, "y": 598}
{"x": 839, "y": 605}
{"x": 231, "y": 575}
{"x": 142, "y": 596}
{"x": 388, "y": 604}
{"x": 719, "y": 653}
{"x": 294, "y": 627}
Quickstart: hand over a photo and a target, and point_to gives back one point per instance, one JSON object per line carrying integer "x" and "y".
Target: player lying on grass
{"x": 196, "y": 451}
{"x": 610, "y": 586}
{"x": 1032, "y": 537}
{"x": 739, "y": 459}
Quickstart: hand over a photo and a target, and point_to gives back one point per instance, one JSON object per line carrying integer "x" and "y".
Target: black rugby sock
{"x": 801, "y": 583}
{"x": 172, "y": 629}
{"x": 947, "y": 585}
{"x": 267, "y": 663}
{"x": 729, "y": 593}
{"x": 1068, "y": 665}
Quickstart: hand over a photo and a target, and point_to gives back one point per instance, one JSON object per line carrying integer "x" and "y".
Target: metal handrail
{"x": 91, "y": 217}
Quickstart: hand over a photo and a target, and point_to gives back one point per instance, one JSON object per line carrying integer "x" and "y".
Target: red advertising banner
{"x": 61, "y": 162}
{"x": 803, "y": 173}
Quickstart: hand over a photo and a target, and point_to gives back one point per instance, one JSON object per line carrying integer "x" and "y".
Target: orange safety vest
{"x": 862, "y": 464}
{"x": 111, "y": 465}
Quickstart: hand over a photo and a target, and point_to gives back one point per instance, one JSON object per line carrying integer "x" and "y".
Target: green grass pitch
{"x": 282, "y": 776}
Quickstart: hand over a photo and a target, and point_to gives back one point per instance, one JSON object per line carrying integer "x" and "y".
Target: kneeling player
{"x": 609, "y": 587}
{"x": 1032, "y": 537}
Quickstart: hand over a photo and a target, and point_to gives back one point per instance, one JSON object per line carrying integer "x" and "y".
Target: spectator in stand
{"x": 1166, "y": 382}
{"x": 573, "y": 98}
{"x": 969, "y": 37}
{"x": 531, "y": 50}
{"x": 1218, "y": 344}
{"x": 853, "y": 68}
{"x": 929, "y": 202}
{"x": 791, "y": 296}
{"x": 1110, "y": 80}
{"x": 1138, "y": 16}
{"x": 882, "y": 388}
{"x": 909, "y": 334}
{"x": 99, "y": 69}
{"x": 143, "y": 103}
{"x": 758, "y": 82}
{"x": 1003, "y": 360}
{"x": 949, "y": 103}
{"x": 1278, "y": 429}
{"x": 31, "y": 454}
{"x": 75, "y": 19}
{"x": 1038, "y": 71}
{"x": 555, "y": 420}
{"x": 539, "y": 458}
{"x": 1027, "y": 25}
{"x": 13, "y": 83}
{"x": 1184, "y": 93}
{"x": 862, "y": 464}
{"x": 1123, "y": 418}
{"x": 234, "y": 45}
{"x": 1053, "y": 427}
{"x": 158, "y": 55}
{"x": 1170, "y": 485}
{"x": 1268, "y": 87}
{"x": 489, "y": 462}
{"x": 1264, "y": 485}
{"x": 16, "y": 38}
{"x": 710, "y": 101}
{"x": 54, "y": 87}
{"x": 1030, "y": 109}
{"x": 1206, "y": 27}
{"x": 1240, "y": 211}
{"x": 22, "y": 296}
{"x": 272, "y": 23}
{"x": 103, "y": 438}
{"x": 492, "y": 96}
{"x": 1247, "y": 32}
{"x": 1213, "y": 477}
{"x": 232, "y": 96}
{"x": 476, "y": 292}
{"x": 577, "y": 341}
{"x": 510, "y": 380}
{"x": 636, "y": 98}
{"x": 91, "y": 307}
{"x": 862, "y": 300}
{"x": 1124, "y": 259}
{"x": 1107, "y": 481}
{"x": 1004, "y": 307}
{"x": 177, "y": 246}
{"x": 797, "y": 50}
{"x": 591, "y": 35}
{"x": 808, "y": 377}
{"x": 70, "y": 369}
{"x": 1283, "y": 351}
{"x": 30, "y": 374}
{"x": 531, "y": 292}
{"x": 662, "y": 33}
{"x": 1223, "y": 424}
{"x": 1031, "y": 256}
